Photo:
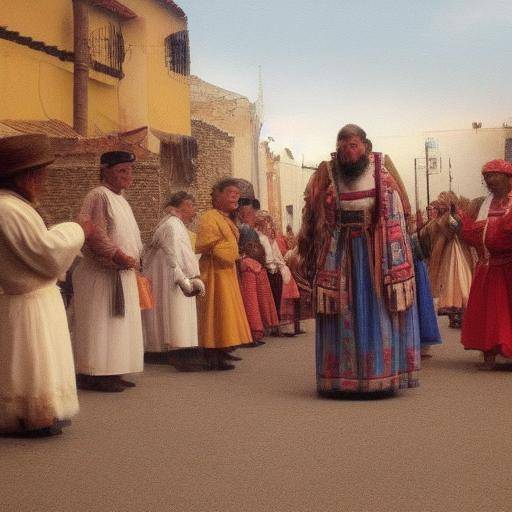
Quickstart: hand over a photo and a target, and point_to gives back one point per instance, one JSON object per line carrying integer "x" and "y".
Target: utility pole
{"x": 81, "y": 66}
{"x": 427, "y": 171}
{"x": 450, "y": 175}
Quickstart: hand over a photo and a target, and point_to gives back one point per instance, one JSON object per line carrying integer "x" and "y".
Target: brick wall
{"x": 214, "y": 160}
{"x": 233, "y": 114}
{"x": 76, "y": 171}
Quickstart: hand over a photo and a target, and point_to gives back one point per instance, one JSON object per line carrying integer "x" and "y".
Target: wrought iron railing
{"x": 177, "y": 53}
{"x": 106, "y": 46}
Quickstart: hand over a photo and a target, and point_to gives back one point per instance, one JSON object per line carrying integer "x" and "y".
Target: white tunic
{"x": 172, "y": 324}
{"x": 37, "y": 378}
{"x": 105, "y": 344}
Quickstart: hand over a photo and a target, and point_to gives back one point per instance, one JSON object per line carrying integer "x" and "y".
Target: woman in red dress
{"x": 488, "y": 319}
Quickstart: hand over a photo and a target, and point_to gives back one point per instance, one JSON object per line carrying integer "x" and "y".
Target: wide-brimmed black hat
{"x": 111, "y": 158}
{"x": 25, "y": 151}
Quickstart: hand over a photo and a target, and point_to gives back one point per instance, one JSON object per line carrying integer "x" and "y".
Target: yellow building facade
{"x": 138, "y": 69}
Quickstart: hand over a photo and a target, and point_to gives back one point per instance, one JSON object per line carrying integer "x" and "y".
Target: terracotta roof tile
{"x": 53, "y": 127}
{"x": 174, "y": 7}
{"x": 7, "y": 131}
{"x": 115, "y": 7}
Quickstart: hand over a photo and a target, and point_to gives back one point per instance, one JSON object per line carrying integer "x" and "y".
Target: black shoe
{"x": 35, "y": 433}
{"x": 252, "y": 344}
{"x": 230, "y": 357}
{"x": 214, "y": 360}
{"x": 356, "y": 395}
{"x": 127, "y": 383}
{"x": 186, "y": 366}
{"x": 53, "y": 430}
{"x": 156, "y": 357}
{"x": 222, "y": 366}
{"x": 102, "y": 383}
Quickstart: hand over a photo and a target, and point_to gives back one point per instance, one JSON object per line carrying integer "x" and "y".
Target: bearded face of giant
{"x": 351, "y": 149}
{"x": 352, "y": 156}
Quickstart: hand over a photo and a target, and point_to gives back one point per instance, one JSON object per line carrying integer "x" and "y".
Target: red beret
{"x": 500, "y": 166}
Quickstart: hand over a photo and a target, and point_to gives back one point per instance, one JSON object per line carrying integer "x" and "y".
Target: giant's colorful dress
{"x": 355, "y": 240}
{"x": 488, "y": 319}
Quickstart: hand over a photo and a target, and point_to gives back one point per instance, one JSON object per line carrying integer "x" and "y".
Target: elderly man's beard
{"x": 350, "y": 171}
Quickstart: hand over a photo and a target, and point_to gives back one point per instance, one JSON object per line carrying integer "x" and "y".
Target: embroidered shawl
{"x": 393, "y": 259}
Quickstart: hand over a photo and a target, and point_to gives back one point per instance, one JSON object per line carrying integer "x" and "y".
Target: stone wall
{"x": 214, "y": 160}
{"x": 235, "y": 115}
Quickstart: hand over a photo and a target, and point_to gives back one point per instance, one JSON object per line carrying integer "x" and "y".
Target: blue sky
{"x": 392, "y": 66}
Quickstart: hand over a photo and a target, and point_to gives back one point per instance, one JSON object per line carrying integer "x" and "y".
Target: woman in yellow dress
{"x": 222, "y": 321}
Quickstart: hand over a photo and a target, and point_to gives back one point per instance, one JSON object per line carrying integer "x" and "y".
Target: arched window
{"x": 177, "y": 53}
{"x": 106, "y": 46}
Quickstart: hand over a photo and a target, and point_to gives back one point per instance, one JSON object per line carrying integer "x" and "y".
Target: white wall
{"x": 293, "y": 180}
{"x": 467, "y": 149}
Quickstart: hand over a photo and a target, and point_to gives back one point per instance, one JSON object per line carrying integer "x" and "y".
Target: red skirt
{"x": 488, "y": 318}
{"x": 257, "y": 296}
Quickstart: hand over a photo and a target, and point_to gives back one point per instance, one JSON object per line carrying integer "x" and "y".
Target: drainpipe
{"x": 81, "y": 66}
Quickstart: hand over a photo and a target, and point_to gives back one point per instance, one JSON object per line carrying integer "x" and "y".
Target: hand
{"x": 186, "y": 285}
{"x": 454, "y": 221}
{"x": 198, "y": 286}
{"x": 242, "y": 264}
{"x": 88, "y": 227}
{"x": 124, "y": 261}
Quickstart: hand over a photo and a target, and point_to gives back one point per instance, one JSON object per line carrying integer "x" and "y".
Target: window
{"x": 177, "y": 53}
{"x": 106, "y": 46}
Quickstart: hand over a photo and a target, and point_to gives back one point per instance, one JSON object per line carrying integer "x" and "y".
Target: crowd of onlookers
{"x": 272, "y": 303}
{"x": 186, "y": 299}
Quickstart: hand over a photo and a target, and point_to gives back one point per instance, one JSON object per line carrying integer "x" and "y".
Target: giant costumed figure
{"x": 355, "y": 249}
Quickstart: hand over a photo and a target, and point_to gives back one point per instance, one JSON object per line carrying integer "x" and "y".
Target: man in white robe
{"x": 107, "y": 330}
{"x": 37, "y": 378}
{"x": 170, "y": 328}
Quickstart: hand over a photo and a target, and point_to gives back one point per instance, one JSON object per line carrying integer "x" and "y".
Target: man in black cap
{"x": 107, "y": 330}
{"x": 112, "y": 158}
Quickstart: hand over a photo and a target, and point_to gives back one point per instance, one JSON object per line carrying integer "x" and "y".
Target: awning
{"x": 171, "y": 138}
{"x": 114, "y": 7}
